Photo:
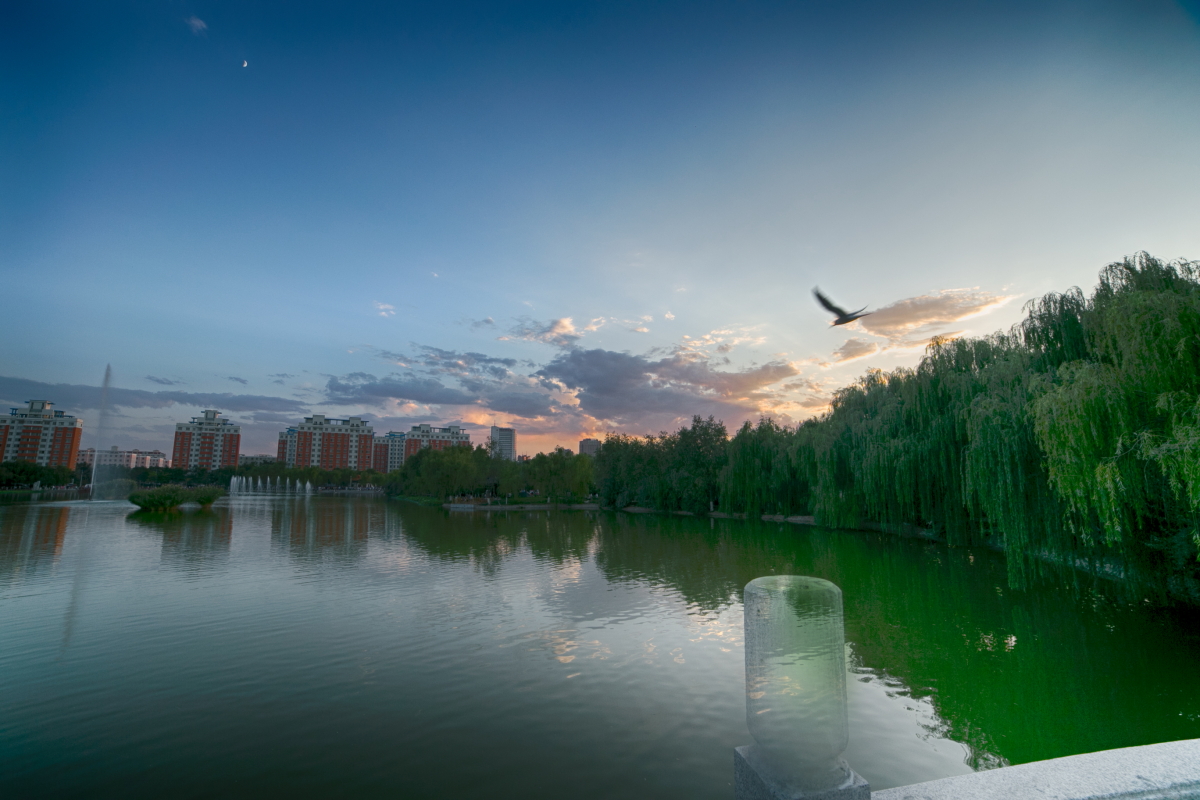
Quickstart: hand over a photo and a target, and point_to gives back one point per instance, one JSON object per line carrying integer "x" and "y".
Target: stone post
{"x": 795, "y": 694}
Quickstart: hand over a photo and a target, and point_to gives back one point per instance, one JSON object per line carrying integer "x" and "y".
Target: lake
{"x": 322, "y": 647}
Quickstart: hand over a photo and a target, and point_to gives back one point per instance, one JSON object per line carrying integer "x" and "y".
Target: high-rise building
{"x": 123, "y": 458}
{"x": 328, "y": 443}
{"x": 425, "y": 436}
{"x": 503, "y": 443}
{"x": 151, "y": 458}
{"x": 207, "y": 442}
{"x": 261, "y": 458}
{"x": 41, "y": 435}
{"x": 389, "y": 452}
{"x": 589, "y": 447}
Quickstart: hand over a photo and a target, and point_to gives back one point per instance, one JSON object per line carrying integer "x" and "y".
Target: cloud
{"x": 805, "y": 384}
{"x": 621, "y": 388}
{"x": 853, "y": 348}
{"x": 386, "y": 309}
{"x": 67, "y": 397}
{"x": 813, "y": 402}
{"x": 668, "y": 315}
{"x": 451, "y": 362}
{"x": 197, "y": 25}
{"x": 235, "y": 379}
{"x": 360, "y": 387}
{"x": 272, "y": 418}
{"x": 916, "y": 317}
{"x": 723, "y": 340}
{"x": 558, "y": 332}
{"x": 516, "y": 395}
{"x": 382, "y": 422}
{"x": 483, "y": 323}
{"x": 454, "y": 361}
{"x": 520, "y": 404}
{"x": 163, "y": 381}
{"x": 633, "y": 325}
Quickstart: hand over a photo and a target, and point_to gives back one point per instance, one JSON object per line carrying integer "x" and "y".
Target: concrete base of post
{"x": 751, "y": 782}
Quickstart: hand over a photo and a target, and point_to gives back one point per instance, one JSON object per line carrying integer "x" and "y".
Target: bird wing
{"x": 829, "y": 306}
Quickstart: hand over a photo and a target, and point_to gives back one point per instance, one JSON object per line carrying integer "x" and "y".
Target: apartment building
{"x": 328, "y": 443}
{"x": 123, "y": 458}
{"x": 262, "y": 458}
{"x": 40, "y": 435}
{"x": 388, "y": 454}
{"x": 207, "y": 442}
{"x": 426, "y": 436}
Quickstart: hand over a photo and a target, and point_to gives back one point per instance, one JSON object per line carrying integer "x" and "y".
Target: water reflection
{"x": 307, "y": 528}
{"x": 31, "y": 537}
{"x": 598, "y": 650}
{"x": 189, "y": 540}
{"x": 1017, "y": 676}
{"x": 486, "y": 540}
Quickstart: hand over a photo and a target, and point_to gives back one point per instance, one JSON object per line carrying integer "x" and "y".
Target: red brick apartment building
{"x": 40, "y": 435}
{"x": 388, "y": 452}
{"x": 422, "y": 436}
{"x": 206, "y": 442}
{"x": 351, "y": 444}
{"x": 123, "y": 458}
{"x": 328, "y": 444}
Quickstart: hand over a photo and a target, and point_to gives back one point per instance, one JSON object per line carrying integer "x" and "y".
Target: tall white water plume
{"x": 101, "y": 425}
{"x": 108, "y": 481}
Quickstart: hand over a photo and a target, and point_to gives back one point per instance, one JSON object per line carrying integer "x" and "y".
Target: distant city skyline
{"x": 563, "y": 219}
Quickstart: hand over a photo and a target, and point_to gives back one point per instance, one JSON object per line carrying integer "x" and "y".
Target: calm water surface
{"x": 325, "y": 647}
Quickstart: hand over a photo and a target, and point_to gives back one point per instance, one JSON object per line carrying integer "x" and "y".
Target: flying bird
{"x": 843, "y": 316}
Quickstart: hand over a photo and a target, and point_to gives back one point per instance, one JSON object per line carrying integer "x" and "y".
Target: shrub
{"x": 206, "y": 495}
{"x": 166, "y": 498}
{"x": 162, "y": 498}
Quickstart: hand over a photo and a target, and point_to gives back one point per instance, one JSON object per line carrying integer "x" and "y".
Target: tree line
{"x": 1074, "y": 436}
{"x": 24, "y": 474}
{"x": 560, "y": 475}
{"x": 453, "y": 472}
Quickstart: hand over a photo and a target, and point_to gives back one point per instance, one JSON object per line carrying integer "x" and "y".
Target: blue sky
{"x": 568, "y": 217}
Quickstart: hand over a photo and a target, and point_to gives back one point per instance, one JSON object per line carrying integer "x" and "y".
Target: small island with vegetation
{"x": 172, "y": 496}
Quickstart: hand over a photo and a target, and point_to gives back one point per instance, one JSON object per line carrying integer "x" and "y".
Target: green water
{"x": 330, "y": 647}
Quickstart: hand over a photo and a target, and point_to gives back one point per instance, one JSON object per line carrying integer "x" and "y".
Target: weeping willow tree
{"x": 678, "y": 471}
{"x": 1118, "y": 426}
{"x": 763, "y": 475}
{"x": 1074, "y": 437}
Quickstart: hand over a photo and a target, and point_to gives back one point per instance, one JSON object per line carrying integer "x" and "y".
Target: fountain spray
{"x": 101, "y": 427}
